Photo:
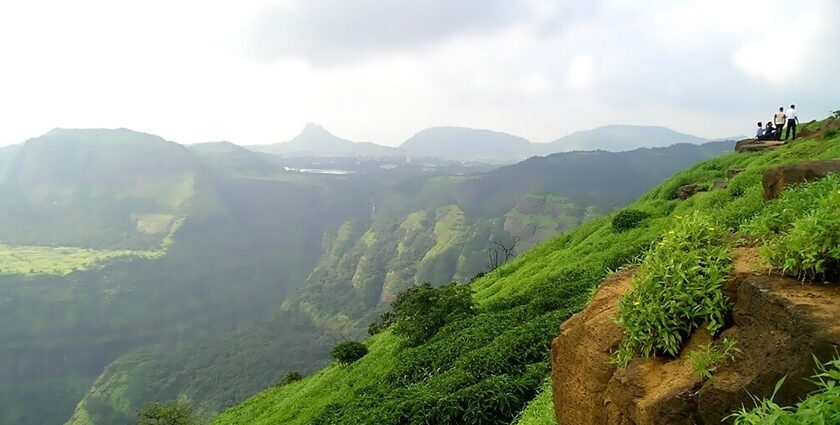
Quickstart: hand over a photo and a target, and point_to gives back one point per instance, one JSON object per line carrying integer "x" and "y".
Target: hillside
{"x": 487, "y": 366}
{"x": 467, "y": 144}
{"x": 316, "y": 141}
{"x": 427, "y": 228}
{"x": 114, "y": 240}
{"x": 616, "y": 138}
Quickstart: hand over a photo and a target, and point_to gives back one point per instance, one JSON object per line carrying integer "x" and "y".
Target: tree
{"x": 349, "y": 352}
{"x": 424, "y": 310}
{"x": 169, "y": 413}
{"x": 500, "y": 252}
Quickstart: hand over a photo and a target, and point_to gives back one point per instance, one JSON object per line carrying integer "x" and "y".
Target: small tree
{"x": 500, "y": 252}
{"x": 292, "y": 376}
{"x": 349, "y": 352}
{"x": 169, "y": 413}
{"x": 424, "y": 310}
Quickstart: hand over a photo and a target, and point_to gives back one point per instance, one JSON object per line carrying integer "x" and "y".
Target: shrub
{"x": 424, "y": 310}
{"x": 292, "y": 376}
{"x": 830, "y": 134}
{"x": 628, "y": 219}
{"x": 811, "y": 250}
{"x": 171, "y": 413}
{"x": 821, "y": 407}
{"x": 349, "y": 352}
{"x": 801, "y": 230}
{"x": 677, "y": 289}
{"x": 707, "y": 358}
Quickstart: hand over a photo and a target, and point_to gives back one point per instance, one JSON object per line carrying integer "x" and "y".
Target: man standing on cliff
{"x": 792, "y": 120}
{"x": 779, "y": 120}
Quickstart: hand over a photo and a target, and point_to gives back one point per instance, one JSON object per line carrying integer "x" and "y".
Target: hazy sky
{"x": 255, "y": 71}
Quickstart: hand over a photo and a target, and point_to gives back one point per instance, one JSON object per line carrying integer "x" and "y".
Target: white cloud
{"x": 579, "y": 75}
{"x": 185, "y": 69}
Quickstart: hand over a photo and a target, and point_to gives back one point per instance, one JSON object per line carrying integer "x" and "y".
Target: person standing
{"x": 779, "y": 119}
{"x": 792, "y": 120}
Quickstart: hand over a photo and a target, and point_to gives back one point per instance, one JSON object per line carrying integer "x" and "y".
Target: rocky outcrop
{"x": 687, "y": 191}
{"x": 777, "y": 322}
{"x": 755, "y": 145}
{"x": 777, "y": 178}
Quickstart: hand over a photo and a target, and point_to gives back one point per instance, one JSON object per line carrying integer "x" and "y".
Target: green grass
{"x": 540, "y": 411}
{"x": 706, "y": 359}
{"x": 43, "y": 260}
{"x": 490, "y": 368}
{"x": 820, "y": 408}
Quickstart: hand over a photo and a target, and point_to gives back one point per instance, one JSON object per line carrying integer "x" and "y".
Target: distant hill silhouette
{"x": 314, "y": 140}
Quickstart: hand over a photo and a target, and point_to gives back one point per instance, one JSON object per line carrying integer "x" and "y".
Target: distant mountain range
{"x": 478, "y": 145}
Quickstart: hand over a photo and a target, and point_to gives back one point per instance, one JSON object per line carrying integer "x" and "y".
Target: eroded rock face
{"x": 777, "y": 322}
{"x": 778, "y": 178}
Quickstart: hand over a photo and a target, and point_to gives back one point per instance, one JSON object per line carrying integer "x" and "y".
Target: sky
{"x": 257, "y": 71}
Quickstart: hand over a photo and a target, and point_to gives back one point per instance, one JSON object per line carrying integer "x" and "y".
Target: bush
{"x": 349, "y": 352}
{"x": 628, "y": 219}
{"x": 821, "y": 407}
{"x": 292, "y": 376}
{"x": 801, "y": 230}
{"x": 677, "y": 289}
{"x": 424, "y": 310}
{"x": 171, "y": 413}
{"x": 811, "y": 249}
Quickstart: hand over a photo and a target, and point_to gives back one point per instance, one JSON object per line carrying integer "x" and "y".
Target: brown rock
{"x": 777, "y": 323}
{"x": 581, "y": 355}
{"x": 720, "y": 184}
{"x": 753, "y": 145}
{"x": 732, "y": 172}
{"x": 687, "y": 191}
{"x": 777, "y": 178}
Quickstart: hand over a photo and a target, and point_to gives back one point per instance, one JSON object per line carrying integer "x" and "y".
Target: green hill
{"x": 427, "y": 228}
{"x": 488, "y": 366}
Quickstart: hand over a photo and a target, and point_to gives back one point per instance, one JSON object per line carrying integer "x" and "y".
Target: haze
{"x": 256, "y": 71}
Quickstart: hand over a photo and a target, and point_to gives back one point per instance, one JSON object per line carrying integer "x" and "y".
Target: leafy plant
{"x": 677, "y": 289}
{"x": 292, "y": 376}
{"x": 628, "y": 219}
{"x": 707, "y": 358}
{"x": 171, "y": 413}
{"x": 821, "y": 407}
{"x": 802, "y": 230}
{"x": 424, "y": 310}
{"x": 349, "y": 352}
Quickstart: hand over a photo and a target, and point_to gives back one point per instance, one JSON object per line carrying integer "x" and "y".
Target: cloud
{"x": 334, "y": 31}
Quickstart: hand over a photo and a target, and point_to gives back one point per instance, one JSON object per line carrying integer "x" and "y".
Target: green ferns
{"x": 677, "y": 290}
{"x": 820, "y": 408}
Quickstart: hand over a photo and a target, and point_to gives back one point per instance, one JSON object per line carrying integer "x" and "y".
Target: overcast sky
{"x": 256, "y": 71}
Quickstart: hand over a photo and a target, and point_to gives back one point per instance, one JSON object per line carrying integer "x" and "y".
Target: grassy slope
{"x": 588, "y": 252}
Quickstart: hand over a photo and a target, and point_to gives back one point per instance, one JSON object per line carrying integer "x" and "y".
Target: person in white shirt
{"x": 792, "y": 120}
{"x": 779, "y": 119}
{"x": 759, "y": 131}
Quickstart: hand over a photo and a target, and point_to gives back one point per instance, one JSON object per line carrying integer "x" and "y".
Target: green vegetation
{"x": 33, "y": 260}
{"x": 706, "y": 359}
{"x": 677, "y": 289}
{"x": 348, "y": 352}
{"x": 172, "y": 413}
{"x": 487, "y": 367}
{"x": 540, "y": 411}
{"x": 802, "y": 230}
{"x": 292, "y": 376}
{"x": 819, "y": 408}
{"x": 627, "y": 219}
{"x": 424, "y": 310}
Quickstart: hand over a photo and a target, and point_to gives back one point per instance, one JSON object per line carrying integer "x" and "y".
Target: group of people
{"x": 782, "y": 120}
